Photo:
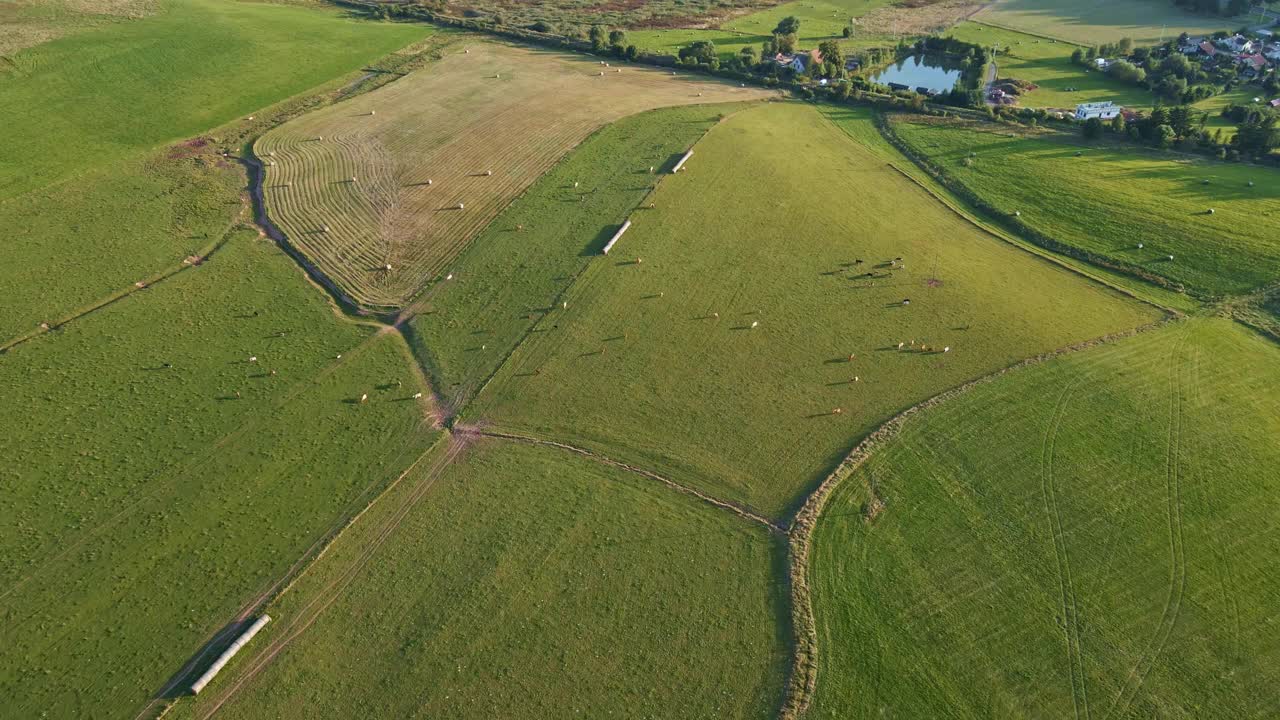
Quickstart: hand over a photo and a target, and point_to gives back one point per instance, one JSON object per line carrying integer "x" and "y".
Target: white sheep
{"x": 364, "y": 397}
{"x": 754, "y": 323}
{"x": 417, "y": 396}
{"x": 253, "y": 358}
{"x": 449, "y": 276}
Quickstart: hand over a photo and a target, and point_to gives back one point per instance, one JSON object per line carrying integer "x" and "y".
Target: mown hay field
{"x": 502, "y": 579}
{"x": 1110, "y": 198}
{"x": 654, "y": 354}
{"x": 407, "y": 175}
{"x": 156, "y": 480}
{"x": 1059, "y": 82}
{"x": 509, "y": 276}
{"x": 1094, "y": 536}
{"x": 1094, "y": 22}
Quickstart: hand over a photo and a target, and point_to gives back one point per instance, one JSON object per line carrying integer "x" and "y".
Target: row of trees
{"x": 1256, "y": 135}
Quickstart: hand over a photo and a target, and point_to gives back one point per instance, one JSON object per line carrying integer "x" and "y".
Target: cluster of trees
{"x": 1180, "y": 125}
{"x": 1172, "y": 76}
{"x": 613, "y": 41}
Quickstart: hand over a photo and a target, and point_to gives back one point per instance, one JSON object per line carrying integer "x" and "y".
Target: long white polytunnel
{"x": 680, "y": 164}
{"x": 616, "y": 237}
{"x": 229, "y": 653}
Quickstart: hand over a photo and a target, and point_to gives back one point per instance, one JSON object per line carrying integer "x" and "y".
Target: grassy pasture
{"x": 1093, "y": 22}
{"x": 1112, "y": 198}
{"x": 638, "y": 366}
{"x": 83, "y": 240}
{"x": 192, "y": 66}
{"x": 1112, "y": 553}
{"x": 30, "y": 22}
{"x": 146, "y": 504}
{"x": 499, "y": 109}
{"x": 467, "y": 326}
{"x": 819, "y": 19}
{"x": 524, "y": 581}
{"x": 1048, "y": 64}
{"x": 91, "y": 205}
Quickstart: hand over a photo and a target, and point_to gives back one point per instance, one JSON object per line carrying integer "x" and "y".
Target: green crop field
{"x": 1048, "y": 64}
{"x": 84, "y": 115}
{"x": 1112, "y": 198}
{"x": 157, "y": 479}
{"x": 467, "y": 326}
{"x": 1093, "y": 22}
{"x": 524, "y": 581}
{"x": 382, "y": 192}
{"x": 658, "y": 361}
{"x": 1092, "y": 536}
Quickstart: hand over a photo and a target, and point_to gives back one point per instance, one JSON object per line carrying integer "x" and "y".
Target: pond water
{"x": 919, "y": 71}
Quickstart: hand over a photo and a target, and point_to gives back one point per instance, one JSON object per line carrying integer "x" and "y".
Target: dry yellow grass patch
{"x": 918, "y": 18}
{"x": 401, "y": 177}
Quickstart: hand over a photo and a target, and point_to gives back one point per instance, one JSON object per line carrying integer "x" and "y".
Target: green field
{"x": 523, "y": 581}
{"x": 669, "y": 41}
{"x": 1214, "y": 106}
{"x": 468, "y": 326}
{"x": 1114, "y": 197}
{"x": 1112, "y": 554}
{"x": 1094, "y": 22}
{"x": 819, "y": 19}
{"x": 193, "y": 66}
{"x": 157, "y": 480}
{"x": 639, "y": 366}
{"x": 100, "y": 207}
{"x": 383, "y": 191}
{"x": 1048, "y": 65}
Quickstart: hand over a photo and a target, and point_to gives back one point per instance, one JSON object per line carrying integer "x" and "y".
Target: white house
{"x": 1102, "y": 63}
{"x": 1100, "y": 110}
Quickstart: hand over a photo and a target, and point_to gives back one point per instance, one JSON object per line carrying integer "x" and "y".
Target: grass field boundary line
{"x": 169, "y": 476}
{"x": 740, "y": 510}
{"x": 586, "y": 265}
{"x": 257, "y": 175}
{"x": 998, "y": 26}
{"x": 273, "y": 589}
{"x": 882, "y": 124}
{"x": 802, "y": 682}
{"x": 326, "y": 596}
{"x": 203, "y": 254}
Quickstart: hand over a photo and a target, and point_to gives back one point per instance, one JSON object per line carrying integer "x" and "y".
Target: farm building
{"x": 1100, "y": 110}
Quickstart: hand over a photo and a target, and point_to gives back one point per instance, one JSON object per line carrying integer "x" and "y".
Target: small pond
{"x": 920, "y": 71}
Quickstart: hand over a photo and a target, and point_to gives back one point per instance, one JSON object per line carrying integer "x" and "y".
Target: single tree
{"x": 789, "y": 25}
{"x": 1092, "y": 129}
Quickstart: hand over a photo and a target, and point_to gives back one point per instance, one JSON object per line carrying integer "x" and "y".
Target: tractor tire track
{"x": 1177, "y": 557}
{"x": 306, "y": 616}
{"x": 803, "y": 678}
{"x": 741, "y": 511}
{"x": 1066, "y": 586}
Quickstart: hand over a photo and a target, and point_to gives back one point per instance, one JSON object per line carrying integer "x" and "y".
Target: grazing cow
{"x": 906, "y": 301}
